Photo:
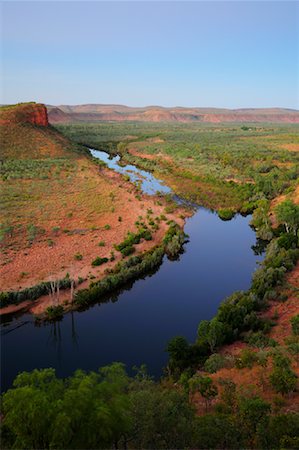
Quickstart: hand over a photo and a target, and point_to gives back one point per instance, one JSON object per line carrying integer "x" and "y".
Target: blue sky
{"x": 222, "y": 54}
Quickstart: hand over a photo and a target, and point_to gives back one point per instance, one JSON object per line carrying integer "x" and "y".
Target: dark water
{"x": 135, "y": 326}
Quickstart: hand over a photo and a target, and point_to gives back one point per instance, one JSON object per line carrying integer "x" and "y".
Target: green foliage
{"x": 205, "y": 386}
{"x": 260, "y": 340}
{"x": 215, "y": 431}
{"x": 94, "y": 410}
{"x": 174, "y": 240}
{"x": 178, "y": 350}
{"x": 32, "y": 293}
{"x": 295, "y": 325}
{"x": 126, "y": 247}
{"x": 282, "y": 431}
{"x": 78, "y": 256}
{"x": 288, "y": 214}
{"x": 261, "y": 220}
{"x": 246, "y": 358}
{"x": 287, "y": 241}
{"x": 120, "y": 275}
{"x": 98, "y": 261}
{"x": 254, "y": 412}
{"x": 211, "y": 332}
{"x": 216, "y": 165}
{"x": 282, "y": 377}
{"x": 109, "y": 409}
{"x": 215, "y": 362}
{"x": 226, "y": 214}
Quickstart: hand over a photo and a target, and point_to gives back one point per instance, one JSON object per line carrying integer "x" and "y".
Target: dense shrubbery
{"x": 135, "y": 266}
{"x": 32, "y": 293}
{"x": 107, "y": 409}
{"x": 173, "y": 240}
{"x": 126, "y": 247}
{"x": 123, "y": 273}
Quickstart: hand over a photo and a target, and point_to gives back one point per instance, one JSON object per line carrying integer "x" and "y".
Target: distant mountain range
{"x": 121, "y": 113}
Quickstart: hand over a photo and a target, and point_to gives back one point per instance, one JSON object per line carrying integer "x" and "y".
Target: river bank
{"x": 43, "y": 261}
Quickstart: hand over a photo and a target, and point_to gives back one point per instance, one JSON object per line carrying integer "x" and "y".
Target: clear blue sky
{"x": 223, "y": 54}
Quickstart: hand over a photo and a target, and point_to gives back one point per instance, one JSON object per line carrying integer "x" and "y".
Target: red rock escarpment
{"x": 34, "y": 113}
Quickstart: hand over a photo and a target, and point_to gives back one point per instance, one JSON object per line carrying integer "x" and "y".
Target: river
{"x": 134, "y": 325}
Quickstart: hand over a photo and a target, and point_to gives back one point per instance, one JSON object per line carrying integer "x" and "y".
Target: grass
{"x": 216, "y": 165}
{"x": 48, "y": 184}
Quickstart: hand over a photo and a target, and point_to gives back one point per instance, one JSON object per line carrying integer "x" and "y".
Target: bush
{"x": 295, "y": 325}
{"x": 215, "y": 362}
{"x": 226, "y": 214}
{"x": 282, "y": 377}
{"x": 260, "y": 340}
{"x": 126, "y": 251}
{"x": 246, "y": 358}
{"x": 99, "y": 261}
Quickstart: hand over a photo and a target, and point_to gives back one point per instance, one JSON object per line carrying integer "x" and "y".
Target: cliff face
{"x": 34, "y": 113}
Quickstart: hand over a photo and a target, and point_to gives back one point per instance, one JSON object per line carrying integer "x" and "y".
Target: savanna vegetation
{"x": 200, "y": 401}
{"x": 58, "y": 203}
{"x": 219, "y": 166}
{"x": 109, "y": 409}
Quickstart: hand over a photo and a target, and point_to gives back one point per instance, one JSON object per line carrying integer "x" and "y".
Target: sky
{"x": 203, "y": 53}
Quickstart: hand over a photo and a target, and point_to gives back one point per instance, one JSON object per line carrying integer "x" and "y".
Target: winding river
{"x": 134, "y": 325}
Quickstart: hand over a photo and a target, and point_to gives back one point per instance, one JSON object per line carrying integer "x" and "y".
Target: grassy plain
{"x": 219, "y": 166}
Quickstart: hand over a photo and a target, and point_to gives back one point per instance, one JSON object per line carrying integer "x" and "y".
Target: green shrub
{"x": 98, "y": 261}
{"x": 215, "y": 362}
{"x": 246, "y": 358}
{"x": 295, "y": 325}
{"x": 126, "y": 251}
{"x": 226, "y": 214}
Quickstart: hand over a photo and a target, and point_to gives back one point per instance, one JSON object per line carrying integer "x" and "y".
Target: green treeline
{"x": 32, "y": 293}
{"x": 108, "y": 409}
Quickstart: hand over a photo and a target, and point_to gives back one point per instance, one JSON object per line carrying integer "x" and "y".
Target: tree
{"x": 211, "y": 332}
{"x": 178, "y": 349}
{"x": 252, "y": 413}
{"x": 282, "y": 377}
{"x": 217, "y": 431}
{"x": 161, "y": 418}
{"x": 206, "y": 388}
{"x": 288, "y": 214}
{"x": 295, "y": 324}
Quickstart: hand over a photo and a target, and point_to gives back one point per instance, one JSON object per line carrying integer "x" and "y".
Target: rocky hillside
{"x": 120, "y": 113}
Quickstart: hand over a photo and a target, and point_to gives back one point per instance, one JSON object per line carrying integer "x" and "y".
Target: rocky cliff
{"x": 34, "y": 113}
